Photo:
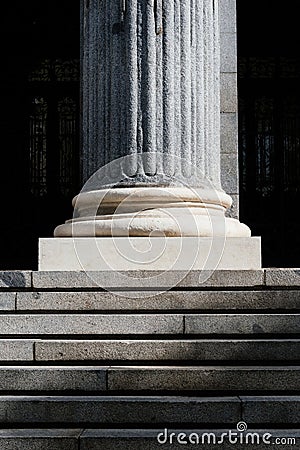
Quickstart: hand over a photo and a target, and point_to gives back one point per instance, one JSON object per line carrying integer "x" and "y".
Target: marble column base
{"x": 146, "y": 253}
{"x": 152, "y": 211}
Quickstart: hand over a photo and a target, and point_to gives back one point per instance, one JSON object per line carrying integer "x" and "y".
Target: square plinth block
{"x": 153, "y": 253}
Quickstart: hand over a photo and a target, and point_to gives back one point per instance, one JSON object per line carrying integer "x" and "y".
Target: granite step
{"x": 148, "y": 324}
{"x": 197, "y": 350}
{"x": 168, "y": 350}
{"x": 117, "y": 410}
{"x": 167, "y": 301}
{"x": 160, "y": 410}
{"x": 147, "y": 279}
{"x": 41, "y": 439}
{"x": 218, "y": 379}
{"x": 137, "y": 439}
{"x": 179, "y": 438}
{"x": 139, "y": 280}
{"x": 148, "y": 378}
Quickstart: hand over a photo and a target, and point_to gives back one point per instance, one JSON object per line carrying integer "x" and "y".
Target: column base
{"x": 146, "y": 253}
{"x": 152, "y": 211}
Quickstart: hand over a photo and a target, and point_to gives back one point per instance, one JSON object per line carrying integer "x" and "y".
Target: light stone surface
{"x": 229, "y": 125}
{"x": 283, "y": 277}
{"x": 228, "y": 93}
{"x": 227, "y": 16}
{"x": 156, "y": 280}
{"x": 149, "y": 324}
{"x": 118, "y": 410}
{"x": 175, "y": 350}
{"x": 204, "y": 378}
{"x": 242, "y": 324}
{"x": 152, "y": 211}
{"x": 273, "y": 409}
{"x": 91, "y": 324}
{"x": 142, "y": 253}
{"x": 51, "y": 378}
{"x": 15, "y": 279}
{"x": 169, "y": 300}
{"x": 234, "y": 209}
{"x": 16, "y": 350}
{"x": 228, "y": 52}
{"x": 230, "y": 172}
{"x": 229, "y": 133}
{"x": 7, "y": 301}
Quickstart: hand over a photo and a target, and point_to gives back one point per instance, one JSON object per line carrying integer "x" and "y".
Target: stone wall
{"x": 229, "y": 103}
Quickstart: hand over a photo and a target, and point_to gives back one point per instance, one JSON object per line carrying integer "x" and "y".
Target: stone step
{"x": 137, "y": 439}
{"x": 164, "y": 350}
{"x": 40, "y": 439}
{"x": 146, "y": 279}
{"x": 53, "y": 378}
{"x": 162, "y": 378}
{"x": 204, "y": 378}
{"x": 15, "y": 324}
{"x": 166, "y": 301}
{"x": 16, "y": 350}
{"x": 104, "y": 410}
{"x": 128, "y": 324}
{"x": 167, "y": 410}
{"x": 142, "y": 279}
{"x": 40, "y": 350}
{"x": 174, "y": 439}
{"x": 265, "y": 409}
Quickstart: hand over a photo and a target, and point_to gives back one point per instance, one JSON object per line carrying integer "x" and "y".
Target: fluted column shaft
{"x": 150, "y": 86}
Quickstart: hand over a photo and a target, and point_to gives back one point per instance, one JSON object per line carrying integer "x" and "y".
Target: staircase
{"x": 84, "y": 368}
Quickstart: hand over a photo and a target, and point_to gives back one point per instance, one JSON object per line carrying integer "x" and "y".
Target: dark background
{"x": 269, "y": 127}
{"x": 30, "y": 33}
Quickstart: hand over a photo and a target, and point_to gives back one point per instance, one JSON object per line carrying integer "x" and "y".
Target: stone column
{"x": 151, "y": 94}
{"x": 151, "y": 83}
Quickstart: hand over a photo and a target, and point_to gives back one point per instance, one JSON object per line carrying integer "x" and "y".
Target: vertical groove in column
{"x": 206, "y": 82}
{"x": 200, "y": 152}
{"x": 90, "y": 86}
{"x": 185, "y": 87}
{"x": 114, "y": 99}
{"x": 131, "y": 74}
{"x": 149, "y": 87}
{"x": 85, "y": 98}
{"x": 210, "y": 90}
{"x": 159, "y": 88}
{"x": 211, "y": 107}
{"x": 91, "y": 132}
{"x": 216, "y": 176}
{"x": 123, "y": 92}
{"x": 107, "y": 93}
{"x": 114, "y": 125}
{"x": 99, "y": 18}
{"x": 168, "y": 89}
{"x": 94, "y": 79}
{"x": 177, "y": 84}
{"x": 139, "y": 50}
{"x": 193, "y": 86}
{"x": 108, "y": 104}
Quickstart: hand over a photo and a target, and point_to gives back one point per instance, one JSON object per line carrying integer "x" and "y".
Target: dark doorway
{"x": 39, "y": 93}
{"x": 269, "y": 127}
